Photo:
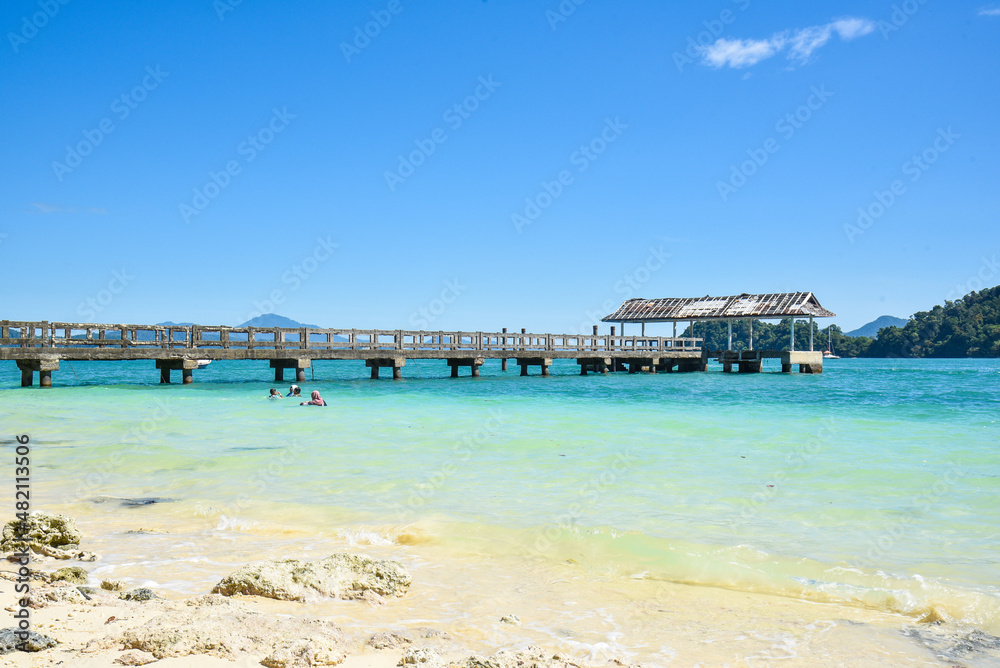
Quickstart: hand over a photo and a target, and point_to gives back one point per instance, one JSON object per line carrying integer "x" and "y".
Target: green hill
{"x": 967, "y": 327}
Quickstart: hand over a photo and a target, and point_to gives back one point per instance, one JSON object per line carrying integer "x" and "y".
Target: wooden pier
{"x": 38, "y": 347}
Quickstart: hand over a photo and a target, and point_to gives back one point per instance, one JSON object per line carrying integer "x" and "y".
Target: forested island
{"x": 967, "y": 327}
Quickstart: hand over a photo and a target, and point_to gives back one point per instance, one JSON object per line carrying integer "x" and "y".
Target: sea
{"x": 850, "y": 517}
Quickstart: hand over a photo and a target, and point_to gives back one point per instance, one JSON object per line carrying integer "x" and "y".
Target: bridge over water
{"x": 38, "y": 347}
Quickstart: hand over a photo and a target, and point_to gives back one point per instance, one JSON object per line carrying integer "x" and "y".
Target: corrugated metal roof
{"x": 776, "y": 305}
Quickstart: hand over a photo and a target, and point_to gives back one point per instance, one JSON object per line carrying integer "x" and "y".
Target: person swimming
{"x": 274, "y": 394}
{"x": 295, "y": 391}
{"x": 316, "y": 400}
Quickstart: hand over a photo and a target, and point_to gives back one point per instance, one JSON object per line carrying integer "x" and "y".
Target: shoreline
{"x": 589, "y": 621}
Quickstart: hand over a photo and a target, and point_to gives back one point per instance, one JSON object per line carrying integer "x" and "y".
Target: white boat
{"x": 203, "y": 363}
{"x": 828, "y": 353}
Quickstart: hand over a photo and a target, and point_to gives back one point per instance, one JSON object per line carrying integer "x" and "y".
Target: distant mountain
{"x": 168, "y": 323}
{"x": 274, "y": 320}
{"x": 871, "y": 329}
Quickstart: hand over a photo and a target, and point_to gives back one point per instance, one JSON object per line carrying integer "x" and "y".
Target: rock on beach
{"x": 344, "y": 576}
{"x": 46, "y": 535}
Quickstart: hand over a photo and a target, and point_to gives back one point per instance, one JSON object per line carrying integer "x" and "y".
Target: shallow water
{"x": 872, "y": 486}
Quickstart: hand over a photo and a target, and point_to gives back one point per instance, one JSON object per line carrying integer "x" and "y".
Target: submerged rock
{"x": 511, "y": 619}
{"x": 127, "y": 502}
{"x": 35, "y": 642}
{"x": 41, "y": 532}
{"x": 345, "y": 576}
{"x": 226, "y": 629}
{"x": 71, "y": 574}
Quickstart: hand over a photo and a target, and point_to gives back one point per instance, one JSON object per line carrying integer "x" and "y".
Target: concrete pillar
{"x": 454, "y": 371}
{"x": 397, "y": 373}
{"x": 44, "y": 378}
{"x": 300, "y": 375}
{"x": 374, "y": 374}
{"x": 503, "y": 360}
{"x": 545, "y": 369}
{"x": 164, "y": 375}
{"x": 751, "y": 334}
{"x": 793, "y": 333}
{"x": 810, "y": 334}
{"x": 643, "y": 329}
{"x": 730, "y": 323}
{"x": 524, "y": 369}
{"x": 727, "y": 367}
{"x": 279, "y": 374}
{"x": 27, "y": 376}
{"x": 475, "y": 371}
{"x": 786, "y": 368}
{"x": 188, "y": 375}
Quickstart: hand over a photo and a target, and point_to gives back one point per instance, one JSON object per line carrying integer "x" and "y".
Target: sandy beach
{"x": 457, "y": 608}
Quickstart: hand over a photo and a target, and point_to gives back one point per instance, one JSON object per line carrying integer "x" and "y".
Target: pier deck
{"x": 39, "y": 346}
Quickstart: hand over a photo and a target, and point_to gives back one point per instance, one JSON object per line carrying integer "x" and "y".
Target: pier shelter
{"x": 775, "y": 306}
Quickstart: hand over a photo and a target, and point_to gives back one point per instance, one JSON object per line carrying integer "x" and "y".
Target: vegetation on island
{"x": 967, "y": 327}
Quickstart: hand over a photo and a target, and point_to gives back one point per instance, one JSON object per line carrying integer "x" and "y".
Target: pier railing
{"x": 39, "y": 336}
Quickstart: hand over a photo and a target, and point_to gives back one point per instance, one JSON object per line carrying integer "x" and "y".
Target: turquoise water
{"x": 874, "y": 484}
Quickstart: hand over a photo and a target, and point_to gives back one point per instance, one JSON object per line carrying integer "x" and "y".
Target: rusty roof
{"x": 778, "y": 305}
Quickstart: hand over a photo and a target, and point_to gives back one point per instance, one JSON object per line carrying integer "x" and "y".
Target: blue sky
{"x": 479, "y": 165}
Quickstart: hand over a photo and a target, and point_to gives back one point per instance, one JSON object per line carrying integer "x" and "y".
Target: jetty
{"x": 39, "y": 346}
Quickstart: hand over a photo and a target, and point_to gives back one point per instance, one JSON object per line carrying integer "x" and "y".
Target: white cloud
{"x": 989, "y": 11}
{"x": 801, "y": 43}
{"x": 740, "y": 52}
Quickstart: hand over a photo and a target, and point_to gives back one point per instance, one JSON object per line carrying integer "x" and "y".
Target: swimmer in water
{"x": 316, "y": 400}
